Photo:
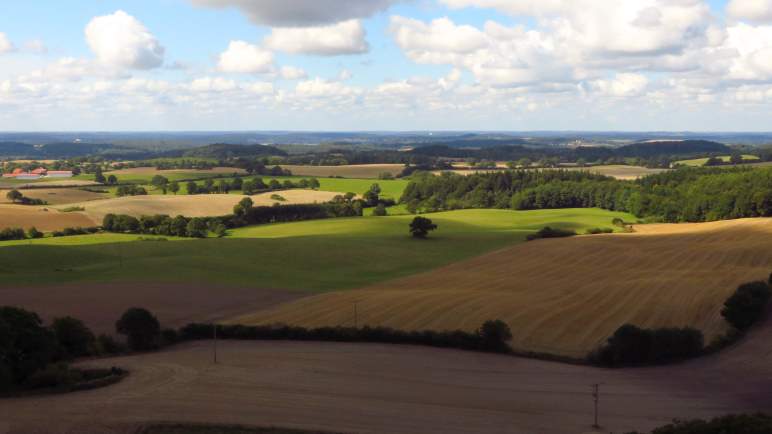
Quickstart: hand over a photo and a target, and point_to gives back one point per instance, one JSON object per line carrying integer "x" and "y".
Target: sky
{"x": 379, "y": 65}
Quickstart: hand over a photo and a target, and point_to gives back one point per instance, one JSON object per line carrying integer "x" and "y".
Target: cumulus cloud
{"x": 347, "y": 37}
{"x": 243, "y": 57}
{"x": 293, "y": 73}
{"x": 751, "y": 10}
{"x": 5, "y": 44}
{"x": 302, "y": 12}
{"x": 622, "y": 85}
{"x": 120, "y": 40}
{"x": 753, "y": 48}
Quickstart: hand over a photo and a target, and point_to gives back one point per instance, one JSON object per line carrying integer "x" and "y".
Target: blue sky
{"x": 423, "y": 64}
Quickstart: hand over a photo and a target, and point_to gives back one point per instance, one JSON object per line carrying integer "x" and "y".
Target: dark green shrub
{"x": 106, "y": 344}
{"x": 74, "y": 338}
{"x": 746, "y": 305}
{"x": 631, "y": 345}
{"x": 142, "y": 329}
{"x": 25, "y": 345}
{"x": 549, "y": 232}
{"x": 421, "y": 226}
{"x": 495, "y": 335}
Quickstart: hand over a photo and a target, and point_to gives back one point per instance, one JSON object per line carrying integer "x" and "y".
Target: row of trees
{"x": 179, "y": 226}
{"x": 15, "y": 196}
{"x": 687, "y": 194}
{"x": 8, "y": 234}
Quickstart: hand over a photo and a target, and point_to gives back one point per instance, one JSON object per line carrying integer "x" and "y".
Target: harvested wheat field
{"x": 100, "y": 305}
{"x": 564, "y": 296}
{"x": 57, "y": 196}
{"x": 205, "y": 205}
{"x": 42, "y": 217}
{"x": 349, "y": 171}
{"x": 392, "y": 389}
{"x": 615, "y": 171}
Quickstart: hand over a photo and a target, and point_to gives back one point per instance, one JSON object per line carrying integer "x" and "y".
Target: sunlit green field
{"x": 697, "y": 162}
{"x": 314, "y": 256}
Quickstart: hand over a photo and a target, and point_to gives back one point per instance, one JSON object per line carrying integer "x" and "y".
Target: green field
{"x": 697, "y": 162}
{"x": 315, "y": 256}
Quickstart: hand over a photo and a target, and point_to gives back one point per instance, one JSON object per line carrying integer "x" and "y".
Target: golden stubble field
{"x": 57, "y": 196}
{"x": 203, "y": 205}
{"x": 563, "y": 296}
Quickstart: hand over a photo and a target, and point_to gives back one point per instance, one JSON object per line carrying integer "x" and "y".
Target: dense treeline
{"x": 492, "y": 336}
{"x": 687, "y": 194}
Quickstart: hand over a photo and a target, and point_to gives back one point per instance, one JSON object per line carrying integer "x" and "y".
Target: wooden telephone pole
{"x": 596, "y": 398}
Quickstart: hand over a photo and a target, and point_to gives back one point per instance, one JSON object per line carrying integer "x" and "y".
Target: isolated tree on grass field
{"x": 14, "y": 196}
{"x": 141, "y": 328}
{"x": 174, "y": 187}
{"x": 421, "y": 226}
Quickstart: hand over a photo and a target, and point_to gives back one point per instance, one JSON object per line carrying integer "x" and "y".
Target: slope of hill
{"x": 563, "y": 296}
{"x": 671, "y": 147}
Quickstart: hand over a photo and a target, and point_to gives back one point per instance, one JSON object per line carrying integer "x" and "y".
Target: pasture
{"x": 697, "y": 162}
{"x": 366, "y": 171}
{"x": 313, "y": 256}
{"x": 662, "y": 276}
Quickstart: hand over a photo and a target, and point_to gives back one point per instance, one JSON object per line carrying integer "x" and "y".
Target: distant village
{"x": 38, "y": 173}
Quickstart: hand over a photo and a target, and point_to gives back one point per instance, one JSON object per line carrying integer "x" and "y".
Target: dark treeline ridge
{"x": 492, "y": 336}
{"x": 683, "y": 195}
{"x": 733, "y": 424}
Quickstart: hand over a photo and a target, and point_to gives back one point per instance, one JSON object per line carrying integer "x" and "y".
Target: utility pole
{"x": 215, "y": 343}
{"x": 596, "y": 398}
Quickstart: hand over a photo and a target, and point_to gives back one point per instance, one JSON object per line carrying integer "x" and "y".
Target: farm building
{"x": 38, "y": 173}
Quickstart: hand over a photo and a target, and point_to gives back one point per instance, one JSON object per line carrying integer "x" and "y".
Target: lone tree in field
{"x": 14, "y": 196}
{"x": 421, "y": 226}
{"x": 174, "y": 187}
{"x": 142, "y": 329}
{"x": 495, "y": 335}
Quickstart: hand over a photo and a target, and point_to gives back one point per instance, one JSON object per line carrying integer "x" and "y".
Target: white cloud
{"x": 347, "y": 37}
{"x": 5, "y": 44}
{"x": 209, "y": 84}
{"x": 302, "y": 12}
{"x": 753, "y": 46}
{"x": 751, "y": 10}
{"x": 293, "y": 73}
{"x": 243, "y": 57}
{"x": 119, "y": 40}
{"x": 622, "y": 85}
{"x": 36, "y": 46}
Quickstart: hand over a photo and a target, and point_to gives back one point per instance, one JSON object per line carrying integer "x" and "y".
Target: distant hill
{"x": 671, "y": 147}
{"x": 222, "y": 151}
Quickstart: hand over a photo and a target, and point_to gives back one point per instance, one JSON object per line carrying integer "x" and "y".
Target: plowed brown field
{"x": 57, "y": 196}
{"x": 392, "y": 389}
{"x": 563, "y": 296}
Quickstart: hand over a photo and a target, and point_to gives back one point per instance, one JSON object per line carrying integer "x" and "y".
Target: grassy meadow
{"x": 313, "y": 256}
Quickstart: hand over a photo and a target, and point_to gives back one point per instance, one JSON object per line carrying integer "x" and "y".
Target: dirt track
{"x": 174, "y": 304}
{"x": 398, "y": 389}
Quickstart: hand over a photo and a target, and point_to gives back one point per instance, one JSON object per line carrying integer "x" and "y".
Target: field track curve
{"x": 563, "y": 296}
{"x": 366, "y": 388}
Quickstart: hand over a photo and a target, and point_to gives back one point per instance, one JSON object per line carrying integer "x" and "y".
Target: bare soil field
{"x": 204, "y": 205}
{"x": 100, "y": 305}
{"x": 370, "y": 171}
{"x": 57, "y": 196}
{"x": 154, "y": 171}
{"x": 664, "y": 275}
{"x": 42, "y": 217}
{"x": 391, "y": 389}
